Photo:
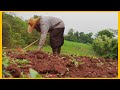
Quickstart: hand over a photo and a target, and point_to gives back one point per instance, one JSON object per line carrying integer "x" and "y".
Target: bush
{"x": 106, "y": 47}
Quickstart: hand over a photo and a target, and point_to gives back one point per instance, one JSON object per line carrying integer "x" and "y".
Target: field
{"x": 72, "y": 48}
{"x": 76, "y": 61}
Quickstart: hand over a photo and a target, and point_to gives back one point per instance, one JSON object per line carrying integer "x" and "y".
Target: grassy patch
{"x": 71, "y": 48}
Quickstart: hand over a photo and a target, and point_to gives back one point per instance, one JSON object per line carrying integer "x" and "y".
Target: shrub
{"x": 106, "y": 47}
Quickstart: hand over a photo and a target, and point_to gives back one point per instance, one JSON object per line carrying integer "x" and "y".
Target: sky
{"x": 80, "y": 21}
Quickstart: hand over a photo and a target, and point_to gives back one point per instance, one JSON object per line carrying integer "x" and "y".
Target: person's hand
{"x": 39, "y": 49}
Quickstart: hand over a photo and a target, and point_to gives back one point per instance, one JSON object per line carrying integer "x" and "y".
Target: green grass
{"x": 78, "y": 49}
{"x": 72, "y": 48}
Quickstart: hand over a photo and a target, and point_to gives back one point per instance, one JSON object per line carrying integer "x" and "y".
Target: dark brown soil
{"x": 14, "y": 70}
{"x": 63, "y": 66}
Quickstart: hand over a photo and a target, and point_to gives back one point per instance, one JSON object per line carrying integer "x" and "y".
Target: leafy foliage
{"x": 34, "y": 74}
{"x": 6, "y": 35}
{"x": 106, "y": 46}
{"x": 106, "y": 32}
{"x": 15, "y": 32}
{"x": 5, "y": 60}
{"x": 79, "y": 36}
{"x": 23, "y": 61}
{"x": 5, "y": 64}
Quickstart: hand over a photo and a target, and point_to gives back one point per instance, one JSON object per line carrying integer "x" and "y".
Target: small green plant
{"x": 77, "y": 63}
{"x": 5, "y": 60}
{"x": 22, "y": 61}
{"x": 6, "y": 73}
{"x": 5, "y": 63}
{"x": 34, "y": 74}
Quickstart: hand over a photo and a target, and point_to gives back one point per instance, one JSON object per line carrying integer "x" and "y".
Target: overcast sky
{"x": 80, "y": 21}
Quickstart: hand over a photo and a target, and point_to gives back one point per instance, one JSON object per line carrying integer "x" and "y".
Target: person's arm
{"x": 44, "y": 31}
{"x": 42, "y": 40}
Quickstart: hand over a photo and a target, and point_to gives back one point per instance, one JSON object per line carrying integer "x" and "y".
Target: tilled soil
{"x": 63, "y": 66}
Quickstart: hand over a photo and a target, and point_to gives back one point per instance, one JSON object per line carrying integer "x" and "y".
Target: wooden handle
{"x": 31, "y": 44}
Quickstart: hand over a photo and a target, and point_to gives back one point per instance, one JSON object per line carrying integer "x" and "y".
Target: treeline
{"x": 79, "y": 37}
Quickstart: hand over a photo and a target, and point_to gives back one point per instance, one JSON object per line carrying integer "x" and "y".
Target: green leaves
{"x": 15, "y": 32}
{"x": 105, "y": 32}
{"x": 106, "y": 47}
{"x": 77, "y": 63}
{"x": 23, "y": 61}
{"x": 5, "y": 60}
{"x": 79, "y": 36}
{"x": 34, "y": 74}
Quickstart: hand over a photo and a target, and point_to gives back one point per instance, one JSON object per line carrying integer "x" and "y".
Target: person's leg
{"x": 56, "y": 40}
{"x": 54, "y": 50}
{"x": 59, "y": 50}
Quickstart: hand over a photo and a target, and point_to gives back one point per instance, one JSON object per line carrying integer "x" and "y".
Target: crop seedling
{"x": 6, "y": 74}
{"x": 100, "y": 64}
{"x": 77, "y": 63}
{"x": 22, "y": 61}
{"x": 5, "y": 60}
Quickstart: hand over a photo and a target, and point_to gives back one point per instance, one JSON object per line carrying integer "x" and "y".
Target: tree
{"x": 89, "y": 37}
{"x": 79, "y": 36}
{"x": 70, "y": 33}
{"x": 115, "y": 32}
{"x": 76, "y": 34}
{"x": 105, "y": 32}
{"x": 71, "y": 36}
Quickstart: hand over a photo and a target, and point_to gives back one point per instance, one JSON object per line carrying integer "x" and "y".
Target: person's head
{"x": 32, "y": 23}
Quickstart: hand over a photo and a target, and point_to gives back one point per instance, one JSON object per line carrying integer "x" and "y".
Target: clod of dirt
{"x": 14, "y": 70}
{"x": 20, "y": 56}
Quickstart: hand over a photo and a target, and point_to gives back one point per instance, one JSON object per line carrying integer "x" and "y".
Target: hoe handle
{"x": 31, "y": 44}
